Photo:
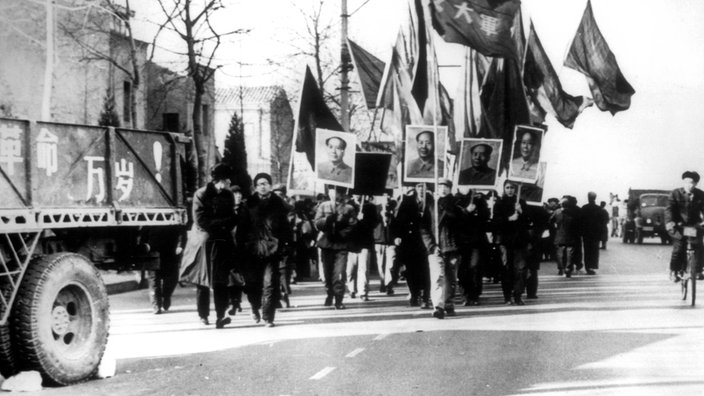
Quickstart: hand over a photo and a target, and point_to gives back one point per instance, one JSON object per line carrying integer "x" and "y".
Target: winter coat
{"x": 268, "y": 217}
{"x": 592, "y": 221}
{"x": 513, "y": 234}
{"x": 684, "y": 210}
{"x": 567, "y": 226}
{"x": 406, "y": 226}
{"x": 209, "y": 252}
{"x": 336, "y": 221}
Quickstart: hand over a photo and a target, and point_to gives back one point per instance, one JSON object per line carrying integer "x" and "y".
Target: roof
{"x": 231, "y": 95}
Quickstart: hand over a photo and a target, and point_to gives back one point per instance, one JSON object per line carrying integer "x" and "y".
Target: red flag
{"x": 484, "y": 25}
{"x": 590, "y": 55}
{"x": 370, "y": 70}
{"x": 544, "y": 86}
{"x": 313, "y": 113}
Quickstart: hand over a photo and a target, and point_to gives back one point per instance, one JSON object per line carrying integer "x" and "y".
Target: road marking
{"x": 322, "y": 373}
{"x": 381, "y": 336}
{"x": 355, "y": 352}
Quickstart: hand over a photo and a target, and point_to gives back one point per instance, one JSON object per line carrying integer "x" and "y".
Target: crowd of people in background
{"x": 259, "y": 246}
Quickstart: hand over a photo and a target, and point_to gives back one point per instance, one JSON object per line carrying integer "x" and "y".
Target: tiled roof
{"x": 253, "y": 95}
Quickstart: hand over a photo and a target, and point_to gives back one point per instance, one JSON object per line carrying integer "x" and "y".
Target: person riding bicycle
{"x": 685, "y": 207}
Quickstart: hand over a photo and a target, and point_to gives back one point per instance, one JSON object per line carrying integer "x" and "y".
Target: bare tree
{"x": 192, "y": 21}
{"x": 281, "y": 136}
{"x": 106, "y": 22}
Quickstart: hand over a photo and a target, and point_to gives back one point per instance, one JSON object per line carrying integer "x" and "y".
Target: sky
{"x": 657, "y": 43}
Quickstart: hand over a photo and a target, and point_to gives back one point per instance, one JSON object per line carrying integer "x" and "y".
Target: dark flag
{"x": 313, "y": 113}
{"x": 370, "y": 70}
{"x": 544, "y": 86}
{"x": 503, "y": 104}
{"x": 420, "y": 75}
{"x": 484, "y": 25}
{"x": 590, "y": 55}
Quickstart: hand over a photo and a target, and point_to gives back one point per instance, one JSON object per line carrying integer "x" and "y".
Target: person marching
{"x": 269, "y": 237}
{"x": 513, "y": 238}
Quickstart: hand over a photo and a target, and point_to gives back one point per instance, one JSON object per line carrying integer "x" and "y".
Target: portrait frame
{"x": 494, "y": 162}
{"x": 533, "y": 193}
{"x": 323, "y": 160}
{"x": 411, "y": 156}
{"x": 515, "y": 171}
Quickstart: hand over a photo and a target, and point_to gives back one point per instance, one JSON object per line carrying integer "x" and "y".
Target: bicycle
{"x": 689, "y": 275}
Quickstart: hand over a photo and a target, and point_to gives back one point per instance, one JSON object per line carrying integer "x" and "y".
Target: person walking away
{"x": 162, "y": 281}
{"x": 684, "y": 208}
{"x": 287, "y": 263}
{"x": 592, "y": 222}
{"x": 335, "y": 219}
{"x": 269, "y": 239}
{"x": 604, "y": 225}
{"x": 566, "y": 223}
{"x": 209, "y": 253}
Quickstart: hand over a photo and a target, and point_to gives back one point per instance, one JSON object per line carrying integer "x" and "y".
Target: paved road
{"x": 621, "y": 332}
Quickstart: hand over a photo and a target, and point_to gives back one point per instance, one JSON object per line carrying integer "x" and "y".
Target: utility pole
{"x": 345, "y": 63}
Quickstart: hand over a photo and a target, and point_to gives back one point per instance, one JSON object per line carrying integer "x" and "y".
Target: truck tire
{"x": 61, "y": 319}
{"x": 7, "y": 356}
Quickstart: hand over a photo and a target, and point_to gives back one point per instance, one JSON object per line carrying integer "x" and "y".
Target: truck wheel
{"x": 7, "y": 356}
{"x": 61, "y": 319}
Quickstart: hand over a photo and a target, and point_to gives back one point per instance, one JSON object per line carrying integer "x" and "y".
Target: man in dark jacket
{"x": 592, "y": 220}
{"x": 473, "y": 244}
{"x": 410, "y": 251}
{"x": 213, "y": 212}
{"x": 513, "y": 238}
{"x": 269, "y": 236}
{"x": 384, "y": 245}
{"x": 336, "y": 220}
{"x": 360, "y": 253}
{"x": 684, "y": 208}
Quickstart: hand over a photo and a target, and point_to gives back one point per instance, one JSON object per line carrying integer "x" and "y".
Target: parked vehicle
{"x": 645, "y": 216}
{"x": 73, "y": 197}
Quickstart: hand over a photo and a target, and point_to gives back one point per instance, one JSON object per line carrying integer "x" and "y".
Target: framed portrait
{"x": 420, "y": 151}
{"x": 533, "y": 193}
{"x": 525, "y": 154}
{"x": 479, "y": 163}
{"x": 392, "y": 179}
{"x": 335, "y": 157}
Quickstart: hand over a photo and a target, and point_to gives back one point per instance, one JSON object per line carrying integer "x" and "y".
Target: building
{"x": 65, "y": 67}
{"x": 268, "y": 126}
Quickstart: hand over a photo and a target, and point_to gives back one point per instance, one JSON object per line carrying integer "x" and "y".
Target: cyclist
{"x": 685, "y": 208}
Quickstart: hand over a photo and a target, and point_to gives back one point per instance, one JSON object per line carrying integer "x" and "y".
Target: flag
{"x": 370, "y": 70}
{"x": 503, "y": 104}
{"x": 421, "y": 70}
{"x": 484, "y": 25}
{"x": 590, "y": 55}
{"x": 313, "y": 113}
{"x": 467, "y": 115}
{"x": 395, "y": 97}
{"x": 544, "y": 86}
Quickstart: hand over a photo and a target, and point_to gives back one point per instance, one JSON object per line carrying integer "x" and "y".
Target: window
{"x": 126, "y": 99}
{"x": 170, "y": 122}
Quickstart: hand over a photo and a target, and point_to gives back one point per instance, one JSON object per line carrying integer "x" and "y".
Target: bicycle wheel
{"x": 693, "y": 280}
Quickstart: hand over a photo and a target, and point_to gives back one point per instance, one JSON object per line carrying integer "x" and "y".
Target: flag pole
{"x": 435, "y": 129}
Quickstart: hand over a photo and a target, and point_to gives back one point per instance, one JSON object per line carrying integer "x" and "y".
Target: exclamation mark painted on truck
{"x": 157, "y": 160}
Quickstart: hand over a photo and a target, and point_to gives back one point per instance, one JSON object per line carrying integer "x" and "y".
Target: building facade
{"x": 268, "y": 126}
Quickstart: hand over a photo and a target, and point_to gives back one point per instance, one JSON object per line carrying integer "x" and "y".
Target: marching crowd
{"x": 255, "y": 247}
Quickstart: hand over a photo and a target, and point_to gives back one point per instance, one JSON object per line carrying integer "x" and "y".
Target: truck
{"x": 645, "y": 215}
{"x": 75, "y": 199}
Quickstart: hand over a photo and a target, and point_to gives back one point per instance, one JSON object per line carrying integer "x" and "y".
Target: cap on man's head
{"x": 489, "y": 149}
{"x": 692, "y": 175}
{"x": 431, "y": 133}
{"x": 220, "y": 171}
{"x": 445, "y": 181}
{"x": 343, "y": 143}
{"x": 261, "y": 176}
